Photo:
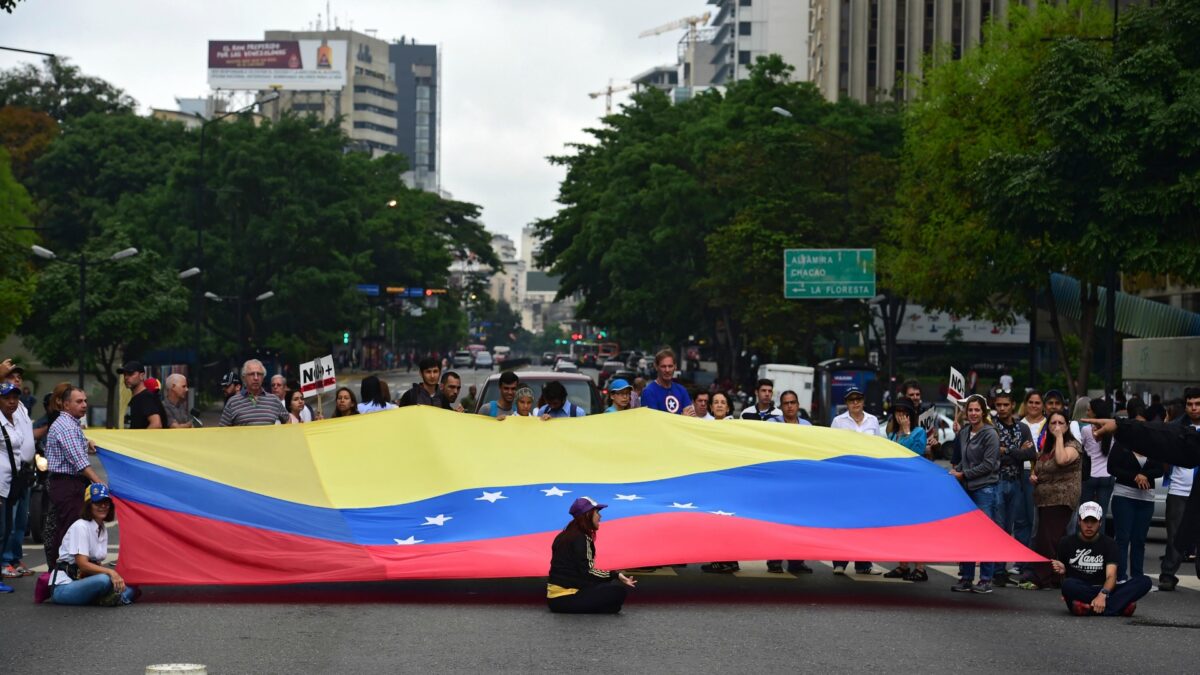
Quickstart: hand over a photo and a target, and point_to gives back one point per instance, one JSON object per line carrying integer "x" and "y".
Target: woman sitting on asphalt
{"x": 575, "y": 585}
{"x": 78, "y": 577}
{"x": 344, "y": 402}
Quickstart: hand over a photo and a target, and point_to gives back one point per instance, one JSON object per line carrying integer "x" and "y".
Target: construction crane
{"x": 607, "y": 93}
{"x": 690, "y": 23}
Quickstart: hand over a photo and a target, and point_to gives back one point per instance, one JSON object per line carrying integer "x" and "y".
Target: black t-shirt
{"x": 142, "y": 406}
{"x": 1086, "y": 560}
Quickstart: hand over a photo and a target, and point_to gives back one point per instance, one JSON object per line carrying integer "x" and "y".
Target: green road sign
{"x": 828, "y": 274}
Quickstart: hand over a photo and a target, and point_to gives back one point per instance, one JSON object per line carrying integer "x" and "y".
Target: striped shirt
{"x": 66, "y": 448}
{"x": 245, "y": 410}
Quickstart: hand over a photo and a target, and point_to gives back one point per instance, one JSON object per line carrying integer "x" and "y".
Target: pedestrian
{"x": 1006, "y": 382}
{"x": 344, "y": 403}
{"x": 979, "y": 472}
{"x": 722, "y": 410}
{"x": 279, "y": 387}
{"x": 764, "y": 409}
{"x": 575, "y": 584}
{"x": 295, "y": 406}
{"x": 639, "y": 385}
{"x": 619, "y": 393}
{"x": 1054, "y": 402}
{"x": 903, "y": 431}
{"x": 1157, "y": 412}
{"x": 557, "y": 405}
{"x": 1016, "y": 448}
{"x": 175, "y": 404}
{"x": 67, "y": 461}
{"x": 789, "y": 404}
{"x": 17, "y": 462}
{"x": 426, "y": 391}
{"x": 503, "y": 406}
{"x": 1033, "y": 416}
{"x": 372, "y": 397}
{"x": 145, "y": 408}
{"x": 1057, "y": 480}
{"x": 451, "y": 385}
{"x": 1179, "y": 481}
{"x": 720, "y": 407}
{"x": 253, "y": 406}
{"x": 700, "y": 404}
{"x": 468, "y": 403}
{"x": 1087, "y": 560}
{"x": 855, "y": 419}
{"x": 231, "y": 384}
{"x": 1097, "y": 482}
{"x": 79, "y": 577}
{"x": 524, "y": 402}
{"x": 664, "y": 393}
{"x": 1133, "y": 499}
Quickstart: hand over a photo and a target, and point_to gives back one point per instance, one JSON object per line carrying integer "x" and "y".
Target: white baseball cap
{"x": 1090, "y": 510}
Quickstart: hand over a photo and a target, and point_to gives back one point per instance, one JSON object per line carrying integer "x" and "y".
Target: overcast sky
{"x": 515, "y": 78}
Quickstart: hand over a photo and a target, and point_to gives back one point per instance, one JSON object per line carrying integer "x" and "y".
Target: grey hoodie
{"x": 980, "y": 463}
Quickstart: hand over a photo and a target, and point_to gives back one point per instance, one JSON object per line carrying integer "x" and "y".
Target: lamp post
{"x": 240, "y": 313}
{"x": 82, "y": 262}
{"x": 199, "y": 208}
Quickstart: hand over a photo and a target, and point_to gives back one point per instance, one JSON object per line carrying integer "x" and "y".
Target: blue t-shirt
{"x": 914, "y": 441}
{"x": 672, "y": 400}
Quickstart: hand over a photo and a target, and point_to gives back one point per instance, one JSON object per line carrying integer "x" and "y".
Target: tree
{"x": 126, "y": 305}
{"x": 61, "y": 90}
{"x": 25, "y": 133}
{"x": 9, "y": 5}
{"x": 947, "y": 253}
{"x": 16, "y": 273}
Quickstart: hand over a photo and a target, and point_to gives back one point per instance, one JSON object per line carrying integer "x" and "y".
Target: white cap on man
{"x": 1090, "y": 510}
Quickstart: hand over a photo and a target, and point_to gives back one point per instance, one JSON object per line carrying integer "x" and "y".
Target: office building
{"x": 747, "y": 29}
{"x": 417, "y": 71}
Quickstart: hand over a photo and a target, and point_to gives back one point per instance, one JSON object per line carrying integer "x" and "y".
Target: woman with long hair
{"x": 1056, "y": 486}
{"x": 344, "y": 402}
{"x": 576, "y": 585}
{"x": 979, "y": 472}
{"x": 1132, "y": 499}
{"x": 295, "y": 406}
{"x": 720, "y": 409}
{"x": 78, "y": 577}
{"x": 374, "y": 395}
{"x": 1097, "y": 481}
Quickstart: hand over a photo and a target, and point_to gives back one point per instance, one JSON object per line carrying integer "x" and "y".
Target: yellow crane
{"x": 607, "y": 93}
{"x": 691, "y": 23}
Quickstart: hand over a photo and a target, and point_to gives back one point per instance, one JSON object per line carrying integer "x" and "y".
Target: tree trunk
{"x": 892, "y": 311}
{"x": 1089, "y": 307}
{"x": 1059, "y": 346}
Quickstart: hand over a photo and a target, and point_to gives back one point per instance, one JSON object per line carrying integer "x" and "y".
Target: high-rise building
{"x": 417, "y": 71}
{"x": 747, "y": 29}
{"x": 368, "y": 104}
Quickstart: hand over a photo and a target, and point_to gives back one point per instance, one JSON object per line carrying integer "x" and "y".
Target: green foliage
{"x": 675, "y": 219}
{"x": 25, "y": 133}
{"x": 16, "y": 274}
{"x": 61, "y": 90}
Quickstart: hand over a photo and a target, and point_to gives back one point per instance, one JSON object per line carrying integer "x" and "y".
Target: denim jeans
{"x": 18, "y": 516}
{"x": 1131, "y": 521}
{"x": 1098, "y": 490}
{"x": 1026, "y": 517}
{"x": 88, "y": 590}
{"x": 1173, "y": 558}
{"x": 1122, "y": 595}
{"x": 985, "y": 499}
{"x": 1009, "y": 498}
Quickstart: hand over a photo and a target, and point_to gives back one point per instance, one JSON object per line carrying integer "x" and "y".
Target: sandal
{"x": 917, "y": 575}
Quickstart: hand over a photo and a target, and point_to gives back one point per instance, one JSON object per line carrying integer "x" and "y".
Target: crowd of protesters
{"x": 1027, "y": 461}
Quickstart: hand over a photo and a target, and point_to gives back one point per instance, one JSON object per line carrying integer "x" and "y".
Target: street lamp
{"x": 199, "y": 207}
{"x": 82, "y": 262}
{"x": 189, "y": 273}
{"x": 238, "y": 298}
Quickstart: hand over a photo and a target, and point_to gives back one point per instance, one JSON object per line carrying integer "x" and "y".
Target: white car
{"x": 483, "y": 360}
{"x": 565, "y": 366}
{"x": 462, "y": 359}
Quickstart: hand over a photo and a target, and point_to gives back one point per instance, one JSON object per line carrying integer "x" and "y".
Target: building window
{"x": 374, "y": 127}
{"x": 422, "y": 105}
{"x": 422, "y": 145}
{"x": 363, "y": 89}
{"x": 744, "y": 57}
{"x": 423, "y": 159}
{"x": 744, "y": 3}
{"x": 423, "y": 93}
{"x": 367, "y": 107}
{"x": 743, "y": 28}
{"x": 308, "y": 107}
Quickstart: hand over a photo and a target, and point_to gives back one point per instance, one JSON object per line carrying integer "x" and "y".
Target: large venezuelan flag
{"x": 425, "y": 493}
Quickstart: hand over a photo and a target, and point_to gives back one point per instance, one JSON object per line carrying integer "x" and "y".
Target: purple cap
{"x": 585, "y": 504}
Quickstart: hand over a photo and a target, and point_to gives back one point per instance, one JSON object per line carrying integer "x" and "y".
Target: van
{"x": 799, "y": 379}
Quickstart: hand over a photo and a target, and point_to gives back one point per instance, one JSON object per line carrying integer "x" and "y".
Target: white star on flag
{"x": 688, "y": 505}
{"x": 411, "y": 540}
{"x": 439, "y": 520}
{"x": 721, "y": 513}
{"x": 555, "y": 492}
{"x": 627, "y": 498}
{"x": 491, "y": 496}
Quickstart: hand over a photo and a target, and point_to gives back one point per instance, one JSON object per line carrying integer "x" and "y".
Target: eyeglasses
{"x": 252, "y": 374}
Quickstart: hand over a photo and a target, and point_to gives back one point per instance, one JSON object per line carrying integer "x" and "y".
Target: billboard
{"x": 921, "y": 326}
{"x": 291, "y": 65}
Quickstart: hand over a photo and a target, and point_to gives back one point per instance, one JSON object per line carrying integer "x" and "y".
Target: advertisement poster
{"x": 290, "y": 65}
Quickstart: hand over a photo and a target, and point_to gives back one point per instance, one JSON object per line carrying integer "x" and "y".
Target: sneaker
{"x": 869, "y": 572}
{"x": 5, "y": 588}
{"x": 917, "y": 575}
{"x": 718, "y": 568}
{"x": 800, "y": 568}
{"x": 10, "y": 572}
{"x": 1129, "y": 609}
{"x": 1079, "y": 608}
{"x": 898, "y": 573}
{"x": 25, "y": 571}
{"x": 963, "y": 586}
{"x": 1029, "y": 586}
{"x": 839, "y": 569}
{"x": 983, "y": 587}
{"x": 1167, "y": 583}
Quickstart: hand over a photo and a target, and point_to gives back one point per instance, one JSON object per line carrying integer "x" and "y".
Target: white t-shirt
{"x": 1120, "y": 490}
{"x": 20, "y": 434}
{"x": 870, "y": 424}
{"x": 369, "y": 407}
{"x": 1181, "y": 478}
{"x": 83, "y": 537}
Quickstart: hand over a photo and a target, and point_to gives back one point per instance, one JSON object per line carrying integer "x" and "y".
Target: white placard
{"x": 317, "y": 376}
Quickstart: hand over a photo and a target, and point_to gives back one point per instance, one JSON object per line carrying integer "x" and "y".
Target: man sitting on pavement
{"x": 1088, "y": 559}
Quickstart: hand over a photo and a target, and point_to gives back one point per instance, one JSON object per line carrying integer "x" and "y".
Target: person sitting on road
{"x": 509, "y": 382}
{"x": 373, "y": 396}
{"x": 1088, "y": 559}
{"x": 575, "y": 585}
{"x": 344, "y": 402}
{"x": 557, "y": 405}
{"x": 79, "y": 577}
{"x": 620, "y": 392}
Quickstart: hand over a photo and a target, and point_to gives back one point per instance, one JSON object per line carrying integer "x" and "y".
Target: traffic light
{"x": 576, "y": 336}
{"x": 346, "y": 337}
